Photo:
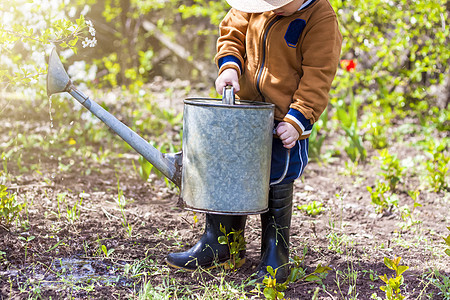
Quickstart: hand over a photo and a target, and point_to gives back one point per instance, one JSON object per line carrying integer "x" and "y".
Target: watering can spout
{"x": 58, "y": 81}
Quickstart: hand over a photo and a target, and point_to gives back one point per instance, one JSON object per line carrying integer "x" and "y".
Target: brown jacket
{"x": 288, "y": 61}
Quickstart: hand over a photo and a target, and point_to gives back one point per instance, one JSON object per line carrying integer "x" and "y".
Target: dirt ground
{"x": 50, "y": 254}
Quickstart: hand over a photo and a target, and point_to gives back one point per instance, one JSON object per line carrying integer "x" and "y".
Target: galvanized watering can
{"x": 224, "y": 166}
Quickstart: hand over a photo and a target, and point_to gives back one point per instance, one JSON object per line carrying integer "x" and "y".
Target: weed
{"x": 102, "y": 250}
{"x": 5, "y": 156}
{"x": 236, "y": 243}
{"x": 122, "y": 202}
{"x": 392, "y": 171}
{"x": 145, "y": 168}
{"x": 348, "y": 119}
{"x": 148, "y": 291}
{"x": 26, "y": 240}
{"x": 274, "y": 290}
{"x": 381, "y": 194}
{"x": 9, "y": 208}
{"x": 73, "y": 213}
{"x": 447, "y": 242}
{"x": 350, "y": 277}
{"x": 316, "y": 140}
{"x": 3, "y": 259}
{"x": 61, "y": 197}
{"x": 56, "y": 246}
{"x": 137, "y": 269}
{"x": 441, "y": 282}
{"x": 107, "y": 252}
{"x": 373, "y": 276}
{"x": 351, "y": 169}
{"x": 380, "y": 199}
{"x": 407, "y": 213}
{"x": 194, "y": 217}
{"x": 376, "y": 125}
{"x": 315, "y": 144}
{"x": 392, "y": 287}
{"x": 336, "y": 241}
{"x": 312, "y": 209}
{"x": 438, "y": 166}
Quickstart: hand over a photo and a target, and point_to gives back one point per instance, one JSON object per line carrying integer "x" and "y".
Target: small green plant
{"x": 145, "y": 168}
{"x": 315, "y": 144}
{"x": 3, "y": 259}
{"x": 438, "y": 166}
{"x": 27, "y": 240}
{"x": 376, "y": 124}
{"x": 337, "y": 241}
{"x": 73, "y": 213}
{"x": 447, "y": 242}
{"x": 347, "y": 115}
{"x": 372, "y": 274}
{"x": 318, "y": 137}
{"x": 106, "y": 252}
{"x": 275, "y": 290}
{"x": 102, "y": 250}
{"x": 313, "y": 208}
{"x": 392, "y": 287}
{"x": 348, "y": 277}
{"x": 407, "y": 213}
{"x": 9, "y": 208}
{"x": 380, "y": 198}
{"x": 236, "y": 243}
{"x": 61, "y": 197}
{"x": 392, "y": 170}
{"x": 122, "y": 202}
{"x": 441, "y": 282}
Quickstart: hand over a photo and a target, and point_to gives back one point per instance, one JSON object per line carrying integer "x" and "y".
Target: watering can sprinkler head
{"x": 57, "y": 79}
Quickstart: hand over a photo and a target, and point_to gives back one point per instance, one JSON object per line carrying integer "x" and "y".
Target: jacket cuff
{"x": 229, "y": 61}
{"x": 298, "y": 120}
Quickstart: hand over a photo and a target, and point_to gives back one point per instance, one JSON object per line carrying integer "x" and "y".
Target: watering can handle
{"x": 228, "y": 95}
{"x": 286, "y": 167}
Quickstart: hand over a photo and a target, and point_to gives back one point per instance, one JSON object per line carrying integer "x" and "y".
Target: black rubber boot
{"x": 208, "y": 252}
{"x": 275, "y": 233}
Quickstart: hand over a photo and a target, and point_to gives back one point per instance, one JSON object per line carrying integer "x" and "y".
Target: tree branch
{"x": 177, "y": 49}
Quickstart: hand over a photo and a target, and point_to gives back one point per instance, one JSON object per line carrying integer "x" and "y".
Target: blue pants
{"x": 297, "y": 163}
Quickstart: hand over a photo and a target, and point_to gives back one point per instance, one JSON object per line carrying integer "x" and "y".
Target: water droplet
{"x": 50, "y": 111}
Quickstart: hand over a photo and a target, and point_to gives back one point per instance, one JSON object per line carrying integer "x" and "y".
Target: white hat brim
{"x": 257, "y": 6}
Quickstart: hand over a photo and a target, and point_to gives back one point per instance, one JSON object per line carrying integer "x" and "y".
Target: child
{"x": 284, "y": 52}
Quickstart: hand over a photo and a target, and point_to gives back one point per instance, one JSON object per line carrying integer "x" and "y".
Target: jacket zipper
{"x": 264, "y": 56}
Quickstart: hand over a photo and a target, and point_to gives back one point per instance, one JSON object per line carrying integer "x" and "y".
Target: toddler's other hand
{"x": 288, "y": 134}
{"x": 227, "y": 77}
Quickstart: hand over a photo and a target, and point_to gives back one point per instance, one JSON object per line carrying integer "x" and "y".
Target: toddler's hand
{"x": 288, "y": 134}
{"x": 227, "y": 77}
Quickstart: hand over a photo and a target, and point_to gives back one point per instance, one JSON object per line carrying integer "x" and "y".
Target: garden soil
{"x": 49, "y": 254}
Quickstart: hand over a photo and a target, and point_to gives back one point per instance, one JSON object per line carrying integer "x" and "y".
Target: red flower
{"x": 348, "y": 64}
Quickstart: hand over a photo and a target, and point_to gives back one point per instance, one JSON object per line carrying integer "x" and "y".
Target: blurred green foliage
{"x": 9, "y": 208}
{"x": 27, "y": 31}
